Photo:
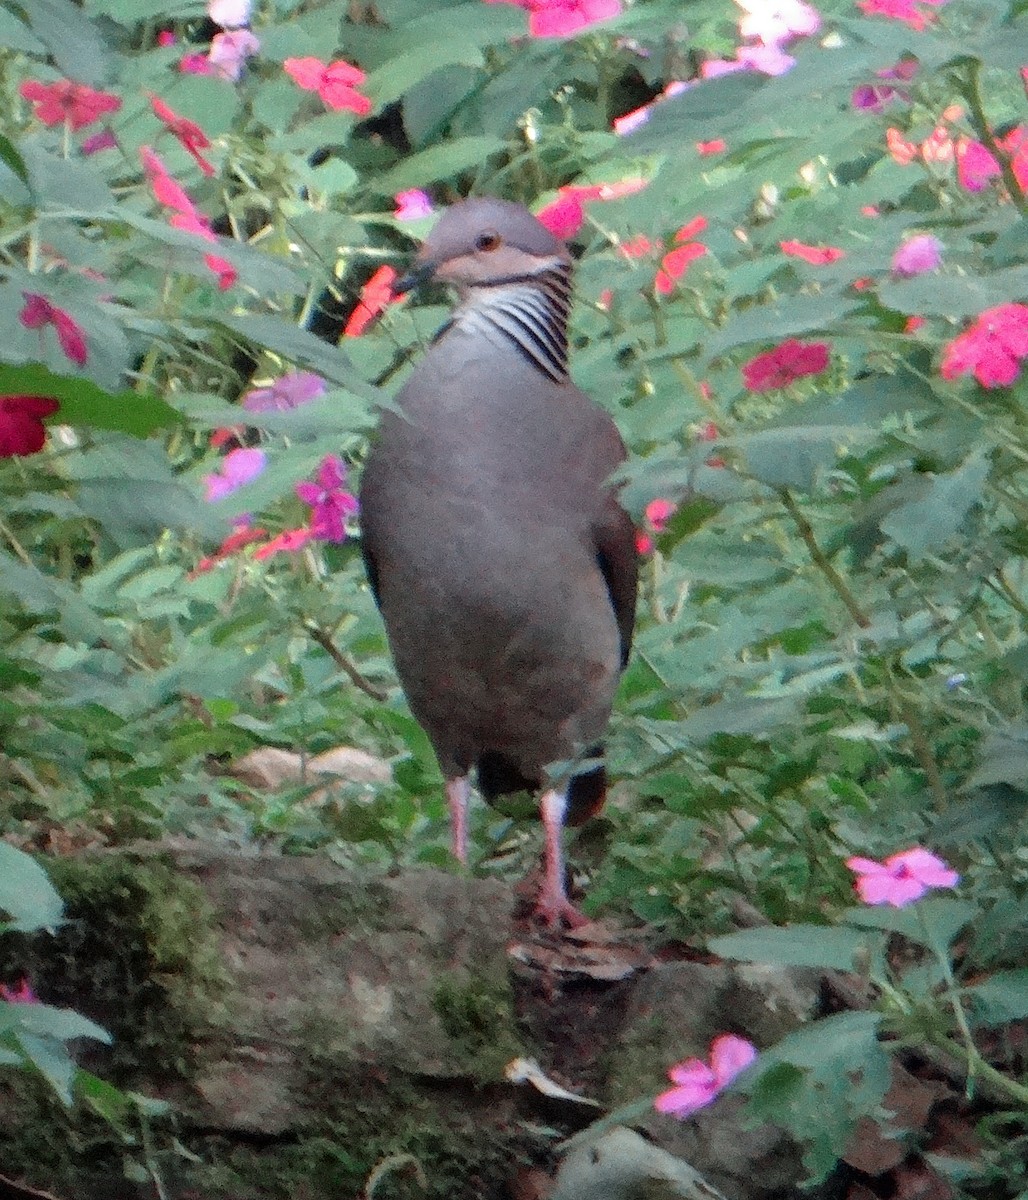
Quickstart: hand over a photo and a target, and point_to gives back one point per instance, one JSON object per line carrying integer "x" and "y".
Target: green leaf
{"x": 26, "y": 893}
{"x": 71, "y": 38}
{"x": 83, "y": 403}
{"x": 61, "y": 1024}
{"x": 52, "y": 1060}
{"x": 10, "y": 155}
{"x": 934, "y": 921}
{"x": 439, "y": 163}
{"x": 1000, "y": 999}
{"x": 923, "y": 525}
{"x": 824, "y": 946}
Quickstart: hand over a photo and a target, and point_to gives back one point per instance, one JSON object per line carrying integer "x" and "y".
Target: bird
{"x": 504, "y": 567}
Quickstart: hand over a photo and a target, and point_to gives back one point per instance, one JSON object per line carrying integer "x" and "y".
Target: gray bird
{"x": 502, "y": 563}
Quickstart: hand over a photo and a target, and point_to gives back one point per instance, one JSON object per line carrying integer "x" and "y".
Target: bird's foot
{"x": 555, "y": 909}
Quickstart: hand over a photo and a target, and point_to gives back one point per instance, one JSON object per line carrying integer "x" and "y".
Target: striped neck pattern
{"x": 531, "y": 311}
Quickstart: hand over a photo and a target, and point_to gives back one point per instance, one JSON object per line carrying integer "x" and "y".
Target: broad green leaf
{"x": 439, "y": 163}
{"x": 26, "y": 893}
{"x": 51, "y": 1058}
{"x": 1000, "y": 999}
{"x": 924, "y": 525}
{"x": 61, "y": 1024}
{"x": 71, "y": 38}
{"x": 825, "y": 946}
{"x": 933, "y": 921}
{"x": 83, "y": 403}
{"x": 952, "y": 295}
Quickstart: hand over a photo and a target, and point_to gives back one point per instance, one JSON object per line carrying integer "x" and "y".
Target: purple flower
{"x": 697, "y": 1084}
{"x": 901, "y": 878}
{"x": 237, "y": 467}
{"x": 292, "y": 390}
{"x": 104, "y": 140}
{"x": 917, "y": 255}
{"x": 412, "y": 204}
{"x": 230, "y": 50}
{"x": 330, "y": 504}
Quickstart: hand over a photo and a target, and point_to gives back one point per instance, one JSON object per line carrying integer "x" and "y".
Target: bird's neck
{"x": 528, "y": 311}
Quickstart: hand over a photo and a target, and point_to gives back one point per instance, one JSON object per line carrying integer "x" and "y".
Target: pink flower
{"x": 714, "y": 146}
{"x": 992, "y": 348}
{"x": 330, "y": 504}
{"x": 229, "y": 51}
{"x": 698, "y": 1084}
{"x": 775, "y": 22}
{"x": 237, "y": 467}
{"x": 21, "y": 425}
{"x": 335, "y": 83}
{"x": 768, "y": 60}
{"x": 104, "y": 140}
{"x": 564, "y": 18}
{"x": 901, "y": 878}
{"x": 195, "y": 64}
{"x": 290, "y": 391}
{"x": 779, "y": 367}
{"x": 289, "y": 541}
{"x": 975, "y": 165}
{"x": 655, "y": 518}
{"x": 563, "y": 217}
{"x": 412, "y": 205}
{"x": 917, "y": 255}
{"x": 897, "y": 10}
{"x": 817, "y": 256}
{"x": 39, "y": 312}
{"x": 190, "y": 135}
{"x": 376, "y": 296}
{"x": 166, "y": 38}
{"x": 229, "y": 13}
{"x": 55, "y": 103}
{"x": 22, "y": 994}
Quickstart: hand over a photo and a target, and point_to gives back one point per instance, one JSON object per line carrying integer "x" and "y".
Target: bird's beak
{"x": 415, "y": 277}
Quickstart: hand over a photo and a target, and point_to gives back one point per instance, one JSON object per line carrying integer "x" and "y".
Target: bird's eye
{"x": 488, "y": 241}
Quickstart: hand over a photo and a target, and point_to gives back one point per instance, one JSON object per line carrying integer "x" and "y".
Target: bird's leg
{"x": 553, "y": 905}
{"x": 457, "y": 792}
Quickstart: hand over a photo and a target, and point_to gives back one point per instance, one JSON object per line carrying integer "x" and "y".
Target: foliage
{"x": 831, "y": 656}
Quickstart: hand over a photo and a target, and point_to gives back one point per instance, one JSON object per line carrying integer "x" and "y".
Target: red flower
{"x": 190, "y": 134}
{"x": 376, "y": 295}
{"x": 675, "y": 263}
{"x": 335, "y": 83}
{"x": 992, "y": 348}
{"x": 290, "y": 541}
{"x": 817, "y": 256}
{"x": 242, "y": 535}
{"x": 55, "y": 103}
{"x": 714, "y": 146}
{"x": 779, "y": 367}
{"x": 563, "y": 217}
{"x": 39, "y": 312}
{"x": 636, "y": 247}
{"x": 21, "y": 423}
{"x": 657, "y": 514}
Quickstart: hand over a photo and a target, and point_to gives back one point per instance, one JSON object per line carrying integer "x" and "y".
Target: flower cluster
{"x": 784, "y": 364}
{"x": 767, "y": 29}
{"x": 229, "y": 49}
{"x": 992, "y": 349}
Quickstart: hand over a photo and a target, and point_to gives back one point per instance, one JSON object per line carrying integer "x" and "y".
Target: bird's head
{"x": 484, "y": 243}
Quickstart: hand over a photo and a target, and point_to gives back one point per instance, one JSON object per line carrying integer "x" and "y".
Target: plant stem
{"x": 822, "y": 562}
{"x": 345, "y": 664}
{"x": 972, "y": 93}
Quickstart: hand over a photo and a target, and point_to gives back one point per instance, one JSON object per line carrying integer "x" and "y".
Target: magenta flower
{"x": 292, "y": 390}
{"x": 992, "y": 348}
{"x": 237, "y": 467}
{"x": 902, "y": 878}
{"x": 330, "y": 504}
{"x": 104, "y": 140}
{"x": 412, "y": 205}
{"x": 22, "y": 994}
{"x": 698, "y": 1084}
{"x": 39, "y": 312}
{"x": 21, "y": 423}
{"x": 563, "y": 18}
{"x": 917, "y": 255}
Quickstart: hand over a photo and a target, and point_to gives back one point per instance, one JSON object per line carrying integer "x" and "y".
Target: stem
{"x": 922, "y": 749}
{"x": 345, "y": 664}
{"x": 822, "y": 562}
{"x": 972, "y": 93}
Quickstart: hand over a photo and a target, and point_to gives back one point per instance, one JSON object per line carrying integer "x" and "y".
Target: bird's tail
{"x": 498, "y": 776}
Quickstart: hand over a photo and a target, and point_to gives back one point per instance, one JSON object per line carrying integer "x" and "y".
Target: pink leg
{"x": 553, "y": 905}
{"x": 457, "y": 792}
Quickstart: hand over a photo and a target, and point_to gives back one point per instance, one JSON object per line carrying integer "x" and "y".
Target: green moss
{"x": 478, "y": 1014}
